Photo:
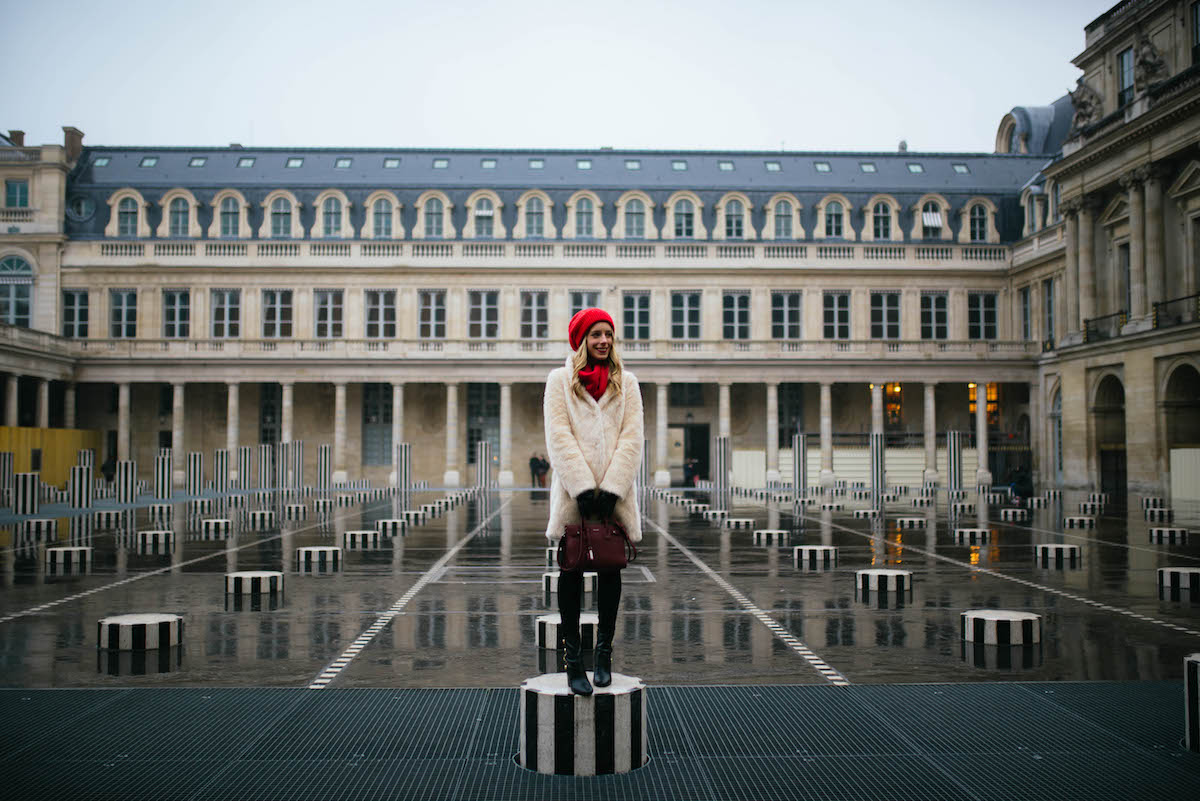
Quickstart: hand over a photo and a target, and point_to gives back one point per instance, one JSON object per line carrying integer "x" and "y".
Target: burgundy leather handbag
{"x": 595, "y": 546}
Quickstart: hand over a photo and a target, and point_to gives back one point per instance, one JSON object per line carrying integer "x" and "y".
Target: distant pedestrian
{"x": 535, "y": 470}
{"x": 543, "y": 469}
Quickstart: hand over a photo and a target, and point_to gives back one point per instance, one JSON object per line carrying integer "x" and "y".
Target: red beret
{"x": 583, "y": 320}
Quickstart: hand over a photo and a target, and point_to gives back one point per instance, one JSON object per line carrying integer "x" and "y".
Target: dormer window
{"x": 197, "y": 161}
{"x": 295, "y": 163}
{"x": 679, "y": 165}
{"x": 149, "y": 161}
{"x": 441, "y": 164}
{"x": 633, "y": 164}
{"x": 583, "y": 164}
{"x": 101, "y": 161}
{"x": 961, "y": 169}
{"x": 725, "y": 166}
{"x": 772, "y": 166}
{"x": 915, "y": 168}
{"x": 246, "y": 162}
{"x": 391, "y": 163}
{"x": 822, "y": 166}
{"x": 487, "y": 164}
{"x": 342, "y": 163}
{"x": 867, "y": 166}
{"x": 537, "y": 164}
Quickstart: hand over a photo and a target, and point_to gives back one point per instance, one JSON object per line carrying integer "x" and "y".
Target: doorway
{"x": 1109, "y": 419}
{"x": 696, "y": 446}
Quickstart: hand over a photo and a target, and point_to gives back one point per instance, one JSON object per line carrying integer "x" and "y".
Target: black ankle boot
{"x": 577, "y": 678}
{"x": 602, "y": 675}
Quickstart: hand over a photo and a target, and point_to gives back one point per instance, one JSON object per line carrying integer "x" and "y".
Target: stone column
{"x": 826, "y": 434}
{"x": 506, "y": 469}
{"x": 339, "y": 433}
{"x": 1070, "y": 325}
{"x": 178, "y": 469}
{"x": 12, "y": 400}
{"x": 662, "y": 471}
{"x": 397, "y": 428}
{"x": 123, "y": 421}
{"x": 232, "y": 426}
{"x": 723, "y": 409}
{"x": 287, "y": 402}
{"x": 930, "y": 435}
{"x": 1132, "y": 183}
{"x": 1156, "y": 278}
{"x": 877, "y": 408}
{"x": 982, "y": 474}
{"x": 451, "y": 477}
{"x": 43, "y": 403}
{"x": 69, "y": 405}
{"x": 772, "y": 432}
{"x": 1087, "y": 264}
{"x": 1035, "y": 430}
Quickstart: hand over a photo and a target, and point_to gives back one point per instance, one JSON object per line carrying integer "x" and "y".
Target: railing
{"x": 339, "y": 249}
{"x": 278, "y": 249}
{"x": 835, "y": 251}
{"x": 534, "y": 251}
{"x": 17, "y": 215}
{"x": 785, "y": 252}
{"x": 174, "y": 249}
{"x": 735, "y": 251}
{"x": 440, "y": 250}
{"x": 226, "y": 249}
{"x": 20, "y": 154}
{"x": 934, "y": 253}
{"x": 636, "y": 251}
{"x": 1177, "y": 312}
{"x": 686, "y": 251}
{"x": 493, "y": 250}
{"x": 588, "y": 251}
{"x": 381, "y": 249}
{"x": 984, "y": 253}
{"x": 126, "y": 249}
{"x": 884, "y": 253}
{"x": 1097, "y": 329}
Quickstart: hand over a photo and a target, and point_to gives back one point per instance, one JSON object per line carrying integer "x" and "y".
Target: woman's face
{"x": 599, "y": 342}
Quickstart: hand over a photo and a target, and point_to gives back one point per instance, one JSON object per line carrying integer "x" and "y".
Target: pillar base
{"x": 827, "y": 478}
{"x": 930, "y": 475}
{"x": 1071, "y": 338}
{"x": 662, "y": 478}
{"x": 450, "y": 478}
{"x": 1137, "y": 324}
{"x": 339, "y": 477}
{"x": 505, "y": 478}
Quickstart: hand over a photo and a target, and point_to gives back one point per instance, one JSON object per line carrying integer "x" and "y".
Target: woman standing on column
{"x": 593, "y": 415}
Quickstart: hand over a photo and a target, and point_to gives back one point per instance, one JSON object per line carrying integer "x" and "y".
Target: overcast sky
{"x": 720, "y": 74}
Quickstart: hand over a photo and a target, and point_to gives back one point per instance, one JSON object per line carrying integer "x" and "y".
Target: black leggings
{"x": 570, "y": 595}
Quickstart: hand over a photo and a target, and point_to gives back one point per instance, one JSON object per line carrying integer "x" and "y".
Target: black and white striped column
{"x": 364, "y": 540}
{"x": 254, "y": 582}
{"x": 1179, "y": 583}
{"x": 483, "y": 464}
{"x": 245, "y": 462}
{"x": 883, "y": 581}
{"x": 1170, "y": 535}
{"x": 221, "y": 471}
{"x": 297, "y": 463}
{"x": 1000, "y": 627}
{"x": 79, "y": 487}
{"x": 549, "y": 633}
{"x": 583, "y": 735}
{"x": 126, "y": 481}
{"x": 195, "y": 473}
{"x": 550, "y": 581}
{"x": 815, "y": 557}
{"x": 770, "y": 536}
{"x": 139, "y": 632}
{"x": 878, "y": 470}
{"x": 262, "y": 519}
{"x": 1191, "y": 701}
{"x": 324, "y": 467}
{"x": 162, "y": 476}
{"x": 799, "y": 465}
{"x": 1057, "y": 556}
{"x": 68, "y": 559}
{"x": 27, "y": 489}
{"x": 317, "y": 558}
{"x": 265, "y": 464}
{"x": 954, "y": 449}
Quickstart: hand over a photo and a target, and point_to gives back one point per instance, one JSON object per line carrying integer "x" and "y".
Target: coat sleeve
{"x": 623, "y": 468}
{"x": 566, "y": 458}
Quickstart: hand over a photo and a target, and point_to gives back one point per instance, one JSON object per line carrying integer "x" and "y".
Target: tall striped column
{"x": 283, "y": 458}
{"x": 643, "y": 475}
{"x": 162, "y": 476}
{"x": 264, "y": 467}
{"x": 799, "y": 465}
{"x": 245, "y": 458}
{"x": 954, "y": 460}
{"x": 6, "y": 477}
{"x": 126, "y": 481}
{"x": 324, "y": 466}
{"x": 403, "y": 461}
{"x": 483, "y": 464}
{"x": 86, "y": 457}
{"x": 878, "y": 471}
{"x": 221, "y": 471}
{"x": 298, "y": 463}
{"x": 26, "y": 493}
{"x": 1191, "y": 701}
{"x": 195, "y": 473}
{"x": 79, "y": 487}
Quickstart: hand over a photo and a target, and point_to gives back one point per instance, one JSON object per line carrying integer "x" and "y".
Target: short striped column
{"x": 550, "y": 581}
{"x": 771, "y": 536}
{"x": 390, "y": 528}
{"x": 1091, "y": 508}
{"x": 883, "y": 582}
{"x": 1191, "y": 701}
{"x": 1158, "y": 514}
{"x": 26, "y": 493}
{"x": 832, "y": 506}
{"x": 1057, "y": 556}
{"x": 215, "y": 526}
{"x": 154, "y": 541}
{"x": 295, "y": 511}
{"x": 1153, "y": 503}
{"x": 1179, "y": 583}
{"x": 139, "y": 632}
{"x": 79, "y": 487}
{"x": 68, "y": 559}
{"x": 738, "y": 522}
{"x": 1079, "y": 521}
{"x": 254, "y": 582}
{"x": 971, "y": 536}
{"x": 1168, "y": 535}
{"x": 866, "y": 514}
{"x": 318, "y": 558}
{"x": 911, "y": 522}
{"x": 108, "y": 518}
{"x": 962, "y": 508}
{"x": 1037, "y": 503}
{"x": 39, "y": 529}
{"x": 549, "y": 634}
{"x": 1000, "y": 627}
{"x": 364, "y": 540}
{"x": 266, "y": 465}
{"x": 583, "y": 735}
{"x": 799, "y": 464}
{"x": 322, "y": 505}
{"x": 195, "y": 473}
{"x": 1053, "y": 495}
{"x": 920, "y": 502}
{"x": 1014, "y": 515}
{"x": 261, "y": 519}
{"x": 815, "y": 557}
{"x": 878, "y": 469}
{"x": 126, "y": 481}
{"x": 6, "y": 478}
{"x": 1099, "y": 497}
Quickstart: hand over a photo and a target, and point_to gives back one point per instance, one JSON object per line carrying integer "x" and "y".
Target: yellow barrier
{"x": 59, "y": 446}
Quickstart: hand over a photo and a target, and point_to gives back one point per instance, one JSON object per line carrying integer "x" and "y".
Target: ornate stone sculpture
{"x": 1087, "y": 104}
{"x": 1148, "y": 65}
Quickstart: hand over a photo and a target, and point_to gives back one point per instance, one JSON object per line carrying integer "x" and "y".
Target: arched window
{"x": 535, "y": 217}
{"x": 433, "y": 218}
{"x": 734, "y": 220}
{"x": 230, "y": 218}
{"x": 331, "y": 217}
{"x": 833, "y": 219}
{"x": 685, "y": 223}
{"x": 1014, "y": 143}
{"x": 180, "y": 214}
{"x": 383, "y": 218}
{"x": 485, "y": 218}
{"x": 783, "y": 220}
{"x": 583, "y": 217}
{"x": 635, "y": 219}
{"x": 931, "y": 221}
{"x": 16, "y": 287}
{"x": 882, "y": 221}
{"x": 127, "y": 217}
{"x": 978, "y": 223}
{"x": 281, "y": 218}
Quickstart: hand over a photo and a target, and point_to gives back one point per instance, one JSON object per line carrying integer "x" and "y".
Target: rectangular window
{"x": 197, "y": 161}
{"x": 1048, "y": 310}
{"x": 783, "y": 220}
{"x": 725, "y": 166}
{"x": 735, "y": 309}
{"x": 934, "y": 317}
{"x": 581, "y": 300}
{"x": 226, "y": 313}
{"x": 75, "y": 313}
{"x": 535, "y": 316}
{"x": 636, "y": 315}
{"x": 785, "y": 315}
{"x": 885, "y": 315}
{"x": 1123, "y": 275}
{"x": 16, "y": 194}
{"x": 295, "y": 163}
{"x": 1125, "y": 77}
{"x": 635, "y": 220}
{"x": 837, "y": 315}
{"x": 483, "y": 314}
{"x": 679, "y": 165}
{"x": 342, "y": 163}
{"x": 381, "y": 314}
{"x": 772, "y": 166}
{"x": 583, "y": 164}
{"x": 277, "y": 313}
{"x": 441, "y": 164}
{"x": 867, "y": 166}
{"x": 149, "y": 161}
{"x": 431, "y": 311}
{"x": 685, "y": 315}
{"x": 246, "y": 162}
{"x": 122, "y": 313}
{"x": 822, "y": 166}
{"x": 391, "y": 163}
{"x": 15, "y": 304}
{"x": 537, "y": 164}
{"x": 992, "y": 399}
{"x": 1026, "y": 319}
{"x": 377, "y": 424}
{"x": 981, "y": 315}
{"x": 177, "y": 313}
{"x": 633, "y": 164}
{"x": 327, "y": 307}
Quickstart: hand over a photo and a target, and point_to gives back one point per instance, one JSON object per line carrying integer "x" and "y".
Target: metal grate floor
{"x": 1011, "y": 741}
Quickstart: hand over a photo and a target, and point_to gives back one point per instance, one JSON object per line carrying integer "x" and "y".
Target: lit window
{"x": 487, "y": 164}
{"x": 342, "y": 163}
{"x": 247, "y": 161}
{"x": 915, "y": 168}
{"x": 867, "y": 166}
{"x": 101, "y": 161}
{"x": 295, "y": 162}
{"x": 149, "y": 161}
{"x": 678, "y": 165}
{"x": 583, "y": 164}
{"x": 391, "y": 163}
{"x": 197, "y": 161}
{"x": 537, "y": 164}
{"x": 633, "y": 164}
{"x": 822, "y": 166}
{"x": 441, "y": 164}
{"x": 773, "y": 166}
{"x": 725, "y": 166}
{"x": 961, "y": 169}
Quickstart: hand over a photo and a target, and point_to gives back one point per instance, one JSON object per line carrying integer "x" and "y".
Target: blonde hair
{"x": 580, "y": 361}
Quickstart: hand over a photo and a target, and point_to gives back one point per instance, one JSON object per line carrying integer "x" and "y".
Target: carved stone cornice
{"x": 1069, "y": 207}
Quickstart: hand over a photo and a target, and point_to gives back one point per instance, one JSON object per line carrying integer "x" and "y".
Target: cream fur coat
{"x": 592, "y": 445}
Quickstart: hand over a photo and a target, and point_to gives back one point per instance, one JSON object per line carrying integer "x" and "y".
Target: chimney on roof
{"x": 72, "y": 143}
{"x": 17, "y": 137}
{"x": 903, "y": 146}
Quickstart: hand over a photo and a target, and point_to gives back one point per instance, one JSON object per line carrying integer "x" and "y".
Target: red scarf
{"x": 594, "y": 379}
